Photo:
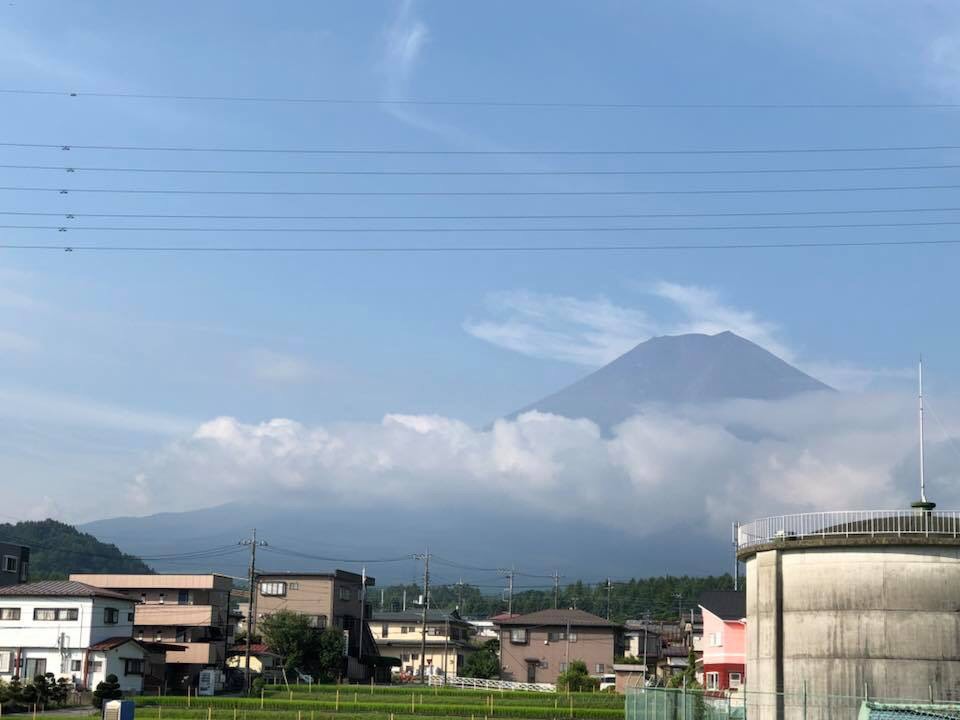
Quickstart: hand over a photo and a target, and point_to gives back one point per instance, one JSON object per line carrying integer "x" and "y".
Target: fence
{"x": 847, "y": 523}
{"x": 679, "y": 704}
{"x": 478, "y": 683}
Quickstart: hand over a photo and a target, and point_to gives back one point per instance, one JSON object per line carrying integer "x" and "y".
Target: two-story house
{"x": 537, "y": 647}
{"x": 330, "y": 600}
{"x": 72, "y": 630}
{"x": 190, "y": 611}
{"x": 400, "y": 635}
{"x": 724, "y": 639}
{"x": 14, "y": 563}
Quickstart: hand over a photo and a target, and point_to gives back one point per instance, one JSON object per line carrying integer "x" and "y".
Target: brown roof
{"x": 60, "y": 588}
{"x": 255, "y": 649}
{"x": 574, "y": 618}
{"x": 114, "y": 642}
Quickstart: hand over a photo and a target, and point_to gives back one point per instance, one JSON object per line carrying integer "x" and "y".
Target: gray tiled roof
{"x": 60, "y": 588}
{"x": 575, "y": 618}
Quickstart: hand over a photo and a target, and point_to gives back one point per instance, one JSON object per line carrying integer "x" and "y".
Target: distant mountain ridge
{"x": 678, "y": 370}
{"x": 57, "y": 549}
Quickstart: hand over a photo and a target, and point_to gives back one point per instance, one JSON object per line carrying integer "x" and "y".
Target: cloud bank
{"x": 707, "y": 465}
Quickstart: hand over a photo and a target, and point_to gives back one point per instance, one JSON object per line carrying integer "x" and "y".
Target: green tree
{"x": 109, "y": 689}
{"x": 60, "y": 692}
{"x": 38, "y": 692}
{"x": 576, "y": 678}
{"x": 485, "y": 662}
{"x": 15, "y": 690}
{"x": 329, "y": 655}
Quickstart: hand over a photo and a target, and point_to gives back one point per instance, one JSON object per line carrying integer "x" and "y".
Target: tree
{"x": 329, "y": 657}
{"x": 60, "y": 692}
{"x": 485, "y": 662}
{"x": 39, "y": 691}
{"x": 576, "y": 678}
{"x": 109, "y": 689}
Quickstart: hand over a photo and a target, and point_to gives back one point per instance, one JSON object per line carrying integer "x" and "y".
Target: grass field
{"x": 331, "y": 702}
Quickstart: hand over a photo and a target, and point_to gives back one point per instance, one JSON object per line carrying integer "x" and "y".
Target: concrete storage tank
{"x": 842, "y": 605}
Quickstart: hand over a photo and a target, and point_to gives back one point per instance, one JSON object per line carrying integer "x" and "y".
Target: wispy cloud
{"x": 275, "y": 367}
{"x": 14, "y": 342}
{"x": 595, "y": 331}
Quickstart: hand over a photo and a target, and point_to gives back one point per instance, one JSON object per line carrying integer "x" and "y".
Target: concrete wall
{"x": 882, "y": 620}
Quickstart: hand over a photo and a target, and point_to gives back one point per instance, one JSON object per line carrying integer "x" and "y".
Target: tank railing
{"x": 848, "y": 523}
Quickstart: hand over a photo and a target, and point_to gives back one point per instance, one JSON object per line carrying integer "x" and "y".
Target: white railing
{"x": 848, "y": 523}
{"x": 480, "y": 684}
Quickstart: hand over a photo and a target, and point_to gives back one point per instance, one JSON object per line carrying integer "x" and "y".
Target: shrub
{"x": 109, "y": 689}
{"x": 576, "y": 678}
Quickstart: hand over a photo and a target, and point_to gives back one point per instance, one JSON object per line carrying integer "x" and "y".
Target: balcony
{"x": 155, "y": 615}
{"x": 211, "y": 653}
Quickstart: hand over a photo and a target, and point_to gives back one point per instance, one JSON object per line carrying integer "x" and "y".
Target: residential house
{"x": 263, "y": 661}
{"x": 642, "y": 641}
{"x": 724, "y": 647}
{"x": 72, "y": 630}
{"x": 400, "y": 634}
{"x": 673, "y": 660}
{"x": 537, "y": 647}
{"x": 191, "y": 611}
{"x": 14, "y": 563}
{"x": 330, "y": 600}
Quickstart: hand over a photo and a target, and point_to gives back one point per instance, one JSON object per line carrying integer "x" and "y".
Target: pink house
{"x": 724, "y": 640}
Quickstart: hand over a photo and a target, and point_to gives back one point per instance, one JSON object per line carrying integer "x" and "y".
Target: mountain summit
{"x": 677, "y": 370}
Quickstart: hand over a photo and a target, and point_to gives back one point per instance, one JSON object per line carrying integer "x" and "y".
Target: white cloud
{"x": 815, "y": 452}
{"x": 593, "y": 332}
{"x": 14, "y": 342}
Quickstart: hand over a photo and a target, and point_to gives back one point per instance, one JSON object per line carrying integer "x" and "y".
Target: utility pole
{"x": 509, "y": 575}
{"x": 609, "y": 589}
{"x": 363, "y": 609}
{"x": 251, "y": 599}
{"x": 646, "y": 620}
{"x": 556, "y": 589}
{"x": 460, "y": 595}
{"x": 404, "y": 606}
{"x": 566, "y": 664}
{"x": 426, "y": 602}
{"x": 736, "y": 560}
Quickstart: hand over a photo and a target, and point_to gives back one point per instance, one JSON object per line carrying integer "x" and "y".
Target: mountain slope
{"x": 56, "y": 550}
{"x": 677, "y": 370}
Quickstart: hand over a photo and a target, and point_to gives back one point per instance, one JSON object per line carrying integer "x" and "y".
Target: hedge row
{"x": 439, "y": 696}
{"x": 349, "y": 706}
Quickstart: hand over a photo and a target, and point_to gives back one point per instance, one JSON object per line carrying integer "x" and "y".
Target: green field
{"x": 330, "y": 702}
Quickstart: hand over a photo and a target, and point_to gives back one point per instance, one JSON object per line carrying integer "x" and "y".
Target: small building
{"x": 189, "y": 611}
{"x": 14, "y": 564}
{"x": 725, "y": 639}
{"x": 537, "y": 647}
{"x": 263, "y": 661}
{"x": 400, "y": 635}
{"x": 72, "y": 630}
{"x": 330, "y": 600}
{"x": 630, "y": 675}
{"x": 642, "y": 641}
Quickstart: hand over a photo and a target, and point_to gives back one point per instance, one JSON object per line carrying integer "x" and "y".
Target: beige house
{"x": 262, "y": 661}
{"x": 330, "y": 600}
{"x": 189, "y": 610}
{"x": 539, "y": 646}
{"x": 399, "y": 635}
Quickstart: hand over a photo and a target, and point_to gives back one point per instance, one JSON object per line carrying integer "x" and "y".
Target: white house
{"x": 72, "y": 630}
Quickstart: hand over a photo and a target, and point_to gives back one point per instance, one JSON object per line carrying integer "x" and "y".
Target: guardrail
{"x": 481, "y": 684}
{"x": 847, "y": 523}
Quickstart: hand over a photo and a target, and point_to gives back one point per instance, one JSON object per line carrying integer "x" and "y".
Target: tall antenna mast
{"x": 922, "y": 505}
{"x": 923, "y": 487}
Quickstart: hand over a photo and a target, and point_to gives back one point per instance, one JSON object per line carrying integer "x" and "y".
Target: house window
{"x": 563, "y": 667}
{"x": 736, "y": 680}
{"x": 560, "y": 635}
{"x": 344, "y": 593}
{"x": 518, "y": 636}
{"x": 111, "y": 616}
{"x": 183, "y": 597}
{"x": 716, "y": 639}
{"x": 76, "y": 665}
{"x": 9, "y": 613}
{"x": 55, "y": 613}
{"x": 294, "y": 586}
{"x": 95, "y": 666}
{"x": 436, "y": 631}
{"x": 713, "y": 681}
{"x": 133, "y": 667}
{"x": 129, "y": 617}
{"x": 415, "y": 656}
{"x": 405, "y": 657}
{"x": 384, "y": 630}
{"x": 6, "y": 661}
{"x": 273, "y": 589}
{"x": 10, "y": 563}
{"x": 599, "y": 667}
{"x": 407, "y": 629}
{"x": 319, "y": 621}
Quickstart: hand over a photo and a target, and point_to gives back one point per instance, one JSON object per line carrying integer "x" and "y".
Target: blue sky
{"x": 108, "y": 359}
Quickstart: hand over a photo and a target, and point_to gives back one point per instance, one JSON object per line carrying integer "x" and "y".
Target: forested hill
{"x": 56, "y": 550}
{"x": 656, "y": 596}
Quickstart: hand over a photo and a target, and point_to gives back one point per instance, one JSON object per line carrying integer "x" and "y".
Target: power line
{"x": 545, "y": 216}
{"x": 479, "y": 193}
{"x": 430, "y": 230}
{"x": 308, "y": 556}
{"x": 538, "y": 152}
{"x": 482, "y": 173}
{"x": 490, "y": 103}
{"x": 370, "y": 249}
